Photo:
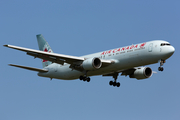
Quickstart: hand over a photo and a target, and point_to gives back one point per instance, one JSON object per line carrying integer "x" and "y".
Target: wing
{"x": 54, "y": 57}
{"x": 57, "y": 58}
{"x": 123, "y": 72}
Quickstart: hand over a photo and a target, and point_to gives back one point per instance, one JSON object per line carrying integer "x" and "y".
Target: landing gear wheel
{"x": 85, "y": 78}
{"x": 160, "y": 68}
{"x": 88, "y": 79}
{"x": 118, "y": 84}
{"x": 81, "y": 77}
{"x": 114, "y": 84}
{"x": 111, "y": 83}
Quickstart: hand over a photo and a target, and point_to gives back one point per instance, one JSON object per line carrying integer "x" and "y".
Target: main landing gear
{"x": 161, "y": 64}
{"x": 84, "y": 78}
{"x": 114, "y": 83}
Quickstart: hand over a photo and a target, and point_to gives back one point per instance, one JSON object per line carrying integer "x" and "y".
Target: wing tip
{"x": 5, "y": 45}
{"x": 10, "y": 64}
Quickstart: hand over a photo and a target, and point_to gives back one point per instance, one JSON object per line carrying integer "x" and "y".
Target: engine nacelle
{"x": 142, "y": 73}
{"x": 92, "y": 64}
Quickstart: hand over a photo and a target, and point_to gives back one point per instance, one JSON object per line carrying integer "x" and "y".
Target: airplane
{"x": 129, "y": 61}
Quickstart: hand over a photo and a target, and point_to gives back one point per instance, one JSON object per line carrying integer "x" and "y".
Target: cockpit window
{"x": 165, "y": 44}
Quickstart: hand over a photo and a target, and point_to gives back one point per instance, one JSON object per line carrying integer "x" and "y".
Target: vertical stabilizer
{"x": 44, "y": 46}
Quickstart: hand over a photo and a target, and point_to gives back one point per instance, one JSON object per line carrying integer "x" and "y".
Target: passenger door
{"x": 150, "y": 47}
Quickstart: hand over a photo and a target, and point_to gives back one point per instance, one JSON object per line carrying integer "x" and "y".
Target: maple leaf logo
{"x": 45, "y": 50}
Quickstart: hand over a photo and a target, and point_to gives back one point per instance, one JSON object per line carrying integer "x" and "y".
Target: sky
{"x": 80, "y": 27}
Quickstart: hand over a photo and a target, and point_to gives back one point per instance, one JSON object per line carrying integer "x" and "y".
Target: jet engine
{"x": 92, "y": 64}
{"x": 141, "y": 73}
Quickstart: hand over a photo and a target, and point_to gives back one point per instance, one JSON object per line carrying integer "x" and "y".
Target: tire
{"x": 159, "y": 68}
{"x": 118, "y": 84}
{"x": 81, "y": 77}
{"x": 88, "y": 79}
{"x": 114, "y": 84}
{"x": 110, "y": 82}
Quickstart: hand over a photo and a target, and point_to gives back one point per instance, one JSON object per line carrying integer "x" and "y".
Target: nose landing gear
{"x": 161, "y": 64}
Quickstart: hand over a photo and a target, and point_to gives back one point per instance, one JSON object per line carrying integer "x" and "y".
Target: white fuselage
{"x": 124, "y": 58}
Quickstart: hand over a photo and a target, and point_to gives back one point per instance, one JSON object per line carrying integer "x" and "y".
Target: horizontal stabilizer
{"x": 29, "y": 68}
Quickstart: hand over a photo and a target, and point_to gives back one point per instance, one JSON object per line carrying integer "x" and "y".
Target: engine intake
{"x": 92, "y": 64}
{"x": 142, "y": 73}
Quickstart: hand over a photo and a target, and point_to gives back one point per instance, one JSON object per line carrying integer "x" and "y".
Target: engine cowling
{"x": 92, "y": 64}
{"x": 142, "y": 73}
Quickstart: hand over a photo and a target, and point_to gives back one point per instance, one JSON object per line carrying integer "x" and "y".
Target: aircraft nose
{"x": 171, "y": 50}
{"x": 168, "y": 52}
